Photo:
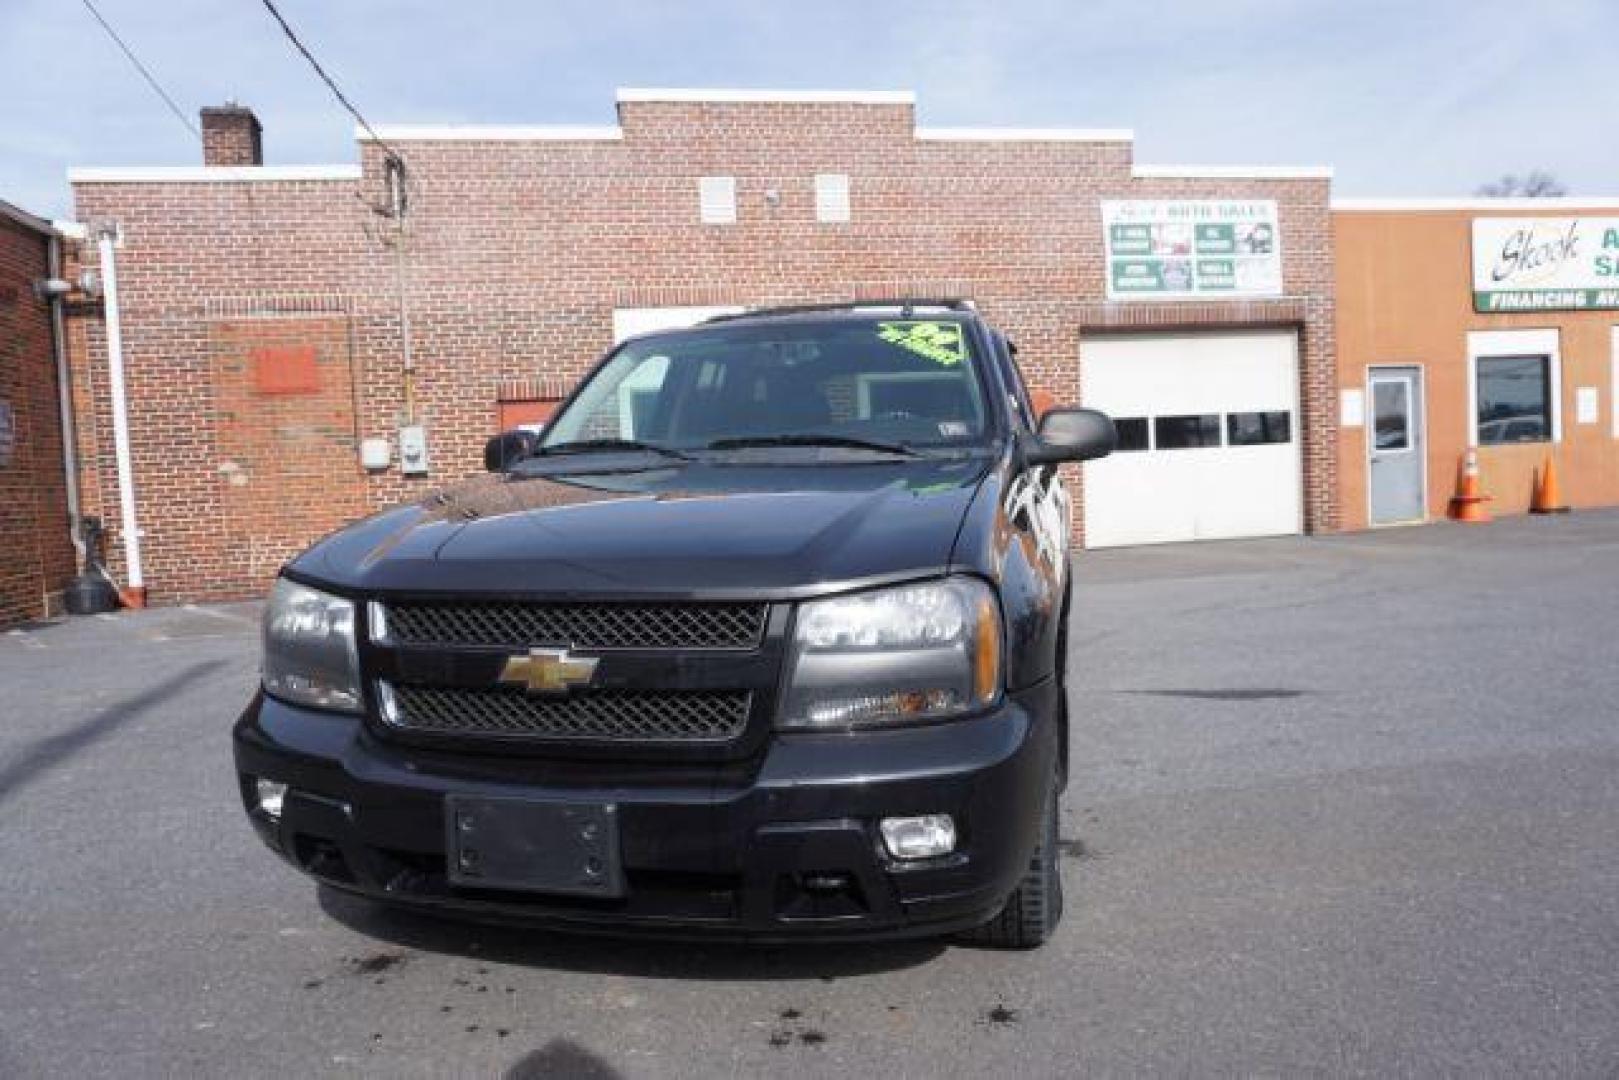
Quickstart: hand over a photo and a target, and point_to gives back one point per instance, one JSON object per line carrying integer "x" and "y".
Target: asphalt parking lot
{"x": 1338, "y": 806}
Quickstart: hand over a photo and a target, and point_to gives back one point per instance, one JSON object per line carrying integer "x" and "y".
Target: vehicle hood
{"x": 683, "y": 530}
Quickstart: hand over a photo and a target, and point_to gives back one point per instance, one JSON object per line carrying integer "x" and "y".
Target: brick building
{"x": 264, "y": 309}
{"x": 36, "y": 550}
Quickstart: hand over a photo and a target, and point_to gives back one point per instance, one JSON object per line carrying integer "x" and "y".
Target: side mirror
{"x": 508, "y": 448}
{"x": 1072, "y": 435}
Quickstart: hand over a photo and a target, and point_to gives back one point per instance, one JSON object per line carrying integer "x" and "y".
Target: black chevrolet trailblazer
{"x": 764, "y": 637}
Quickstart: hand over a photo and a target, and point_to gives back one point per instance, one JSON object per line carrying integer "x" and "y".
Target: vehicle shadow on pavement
{"x": 639, "y": 957}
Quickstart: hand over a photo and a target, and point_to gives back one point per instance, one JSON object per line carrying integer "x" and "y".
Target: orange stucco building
{"x": 1488, "y": 323}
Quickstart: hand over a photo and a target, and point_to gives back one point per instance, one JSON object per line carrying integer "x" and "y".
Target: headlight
{"x": 309, "y": 656}
{"x": 916, "y": 652}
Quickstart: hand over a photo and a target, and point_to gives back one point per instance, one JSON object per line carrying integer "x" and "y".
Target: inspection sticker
{"x": 940, "y": 342}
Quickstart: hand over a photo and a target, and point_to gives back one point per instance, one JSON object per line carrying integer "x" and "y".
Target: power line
{"x": 327, "y": 79}
{"x": 398, "y": 201}
{"x": 151, "y": 80}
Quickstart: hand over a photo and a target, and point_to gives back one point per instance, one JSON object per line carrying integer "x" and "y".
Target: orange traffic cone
{"x": 1468, "y": 505}
{"x": 1548, "y": 496}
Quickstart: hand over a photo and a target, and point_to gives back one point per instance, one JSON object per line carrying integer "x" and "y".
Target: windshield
{"x": 882, "y": 382}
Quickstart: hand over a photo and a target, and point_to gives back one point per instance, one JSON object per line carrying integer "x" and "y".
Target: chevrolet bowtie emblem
{"x": 549, "y": 671}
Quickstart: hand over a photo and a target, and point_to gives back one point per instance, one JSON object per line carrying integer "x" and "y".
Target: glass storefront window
{"x": 1514, "y": 399}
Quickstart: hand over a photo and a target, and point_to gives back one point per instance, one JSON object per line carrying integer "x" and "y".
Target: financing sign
{"x": 1545, "y": 264}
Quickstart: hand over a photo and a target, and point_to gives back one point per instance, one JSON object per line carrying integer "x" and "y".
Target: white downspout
{"x": 135, "y": 594}
{"x": 64, "y": 402}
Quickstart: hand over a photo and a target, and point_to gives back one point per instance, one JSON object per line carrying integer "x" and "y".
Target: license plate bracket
{"x": 533, "y": 845}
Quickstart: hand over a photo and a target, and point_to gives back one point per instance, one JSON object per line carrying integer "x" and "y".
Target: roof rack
{"x": 906, "y": 305}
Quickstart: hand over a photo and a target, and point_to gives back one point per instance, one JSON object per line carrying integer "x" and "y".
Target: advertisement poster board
{"x": 1194, "y": 249}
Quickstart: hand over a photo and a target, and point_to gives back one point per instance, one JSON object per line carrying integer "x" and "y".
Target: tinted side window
{"x": 1020, "y": 387}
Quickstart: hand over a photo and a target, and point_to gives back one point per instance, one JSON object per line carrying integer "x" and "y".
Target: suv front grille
{"x": 579, "y": 626}
{"x": 597, "y": 716}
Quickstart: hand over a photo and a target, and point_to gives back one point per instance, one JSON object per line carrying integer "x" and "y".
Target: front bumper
{"x": 741, "y": 850}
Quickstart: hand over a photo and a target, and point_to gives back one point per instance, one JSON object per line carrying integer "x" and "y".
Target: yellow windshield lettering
{"x": 941, "y": 342}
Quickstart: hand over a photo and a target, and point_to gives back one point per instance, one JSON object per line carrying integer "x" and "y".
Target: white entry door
{"x": 1208, "y": 436}
{"x": 1397, "y": 475}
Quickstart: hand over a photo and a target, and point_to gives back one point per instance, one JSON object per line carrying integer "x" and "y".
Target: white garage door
{"x": 627, "y": 322}
{"x": 1208, "y": 436}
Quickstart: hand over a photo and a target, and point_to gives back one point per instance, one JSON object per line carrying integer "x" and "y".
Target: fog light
{"x": 919, "y": 837}
{"x": 271, "y": 794}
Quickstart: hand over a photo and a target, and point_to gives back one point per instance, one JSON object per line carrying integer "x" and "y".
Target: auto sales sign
{"x": 1545, "y": 264}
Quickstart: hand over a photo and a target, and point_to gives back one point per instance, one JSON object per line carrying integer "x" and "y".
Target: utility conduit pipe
{"x": 134, "y": 593}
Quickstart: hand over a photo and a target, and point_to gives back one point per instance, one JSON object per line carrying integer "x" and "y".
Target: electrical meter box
{"x": 413, "y": 450}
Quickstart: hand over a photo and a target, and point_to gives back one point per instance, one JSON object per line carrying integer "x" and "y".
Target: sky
{"x": 1419, "y": 97}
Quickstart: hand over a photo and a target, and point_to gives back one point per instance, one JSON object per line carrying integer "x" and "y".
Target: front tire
{"x": 1034, "y": 909}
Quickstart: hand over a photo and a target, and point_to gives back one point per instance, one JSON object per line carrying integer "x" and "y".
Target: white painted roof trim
{"x": 1012, "y": 134}
{"x": 493, "y": 133}
{"x": 790, "y": 97}
{"x": 1479, "y": 202}
{"x": 1232, "y": 172}
{"x": 209, "y": 174}
{"x": 73, "y": 230}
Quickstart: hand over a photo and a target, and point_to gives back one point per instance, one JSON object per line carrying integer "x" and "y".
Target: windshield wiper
{"x": 745, "y": 442}
{"x": 590, "y": 446}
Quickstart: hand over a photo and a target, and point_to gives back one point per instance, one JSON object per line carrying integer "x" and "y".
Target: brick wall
{"x": 518, "y": 251}
{"x": 36, "y": 555}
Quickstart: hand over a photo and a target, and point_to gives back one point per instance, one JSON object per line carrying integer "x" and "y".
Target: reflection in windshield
{"x": 883, "y": 384}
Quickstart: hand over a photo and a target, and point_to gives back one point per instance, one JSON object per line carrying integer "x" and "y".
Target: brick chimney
{"x": 231, "y": 135}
